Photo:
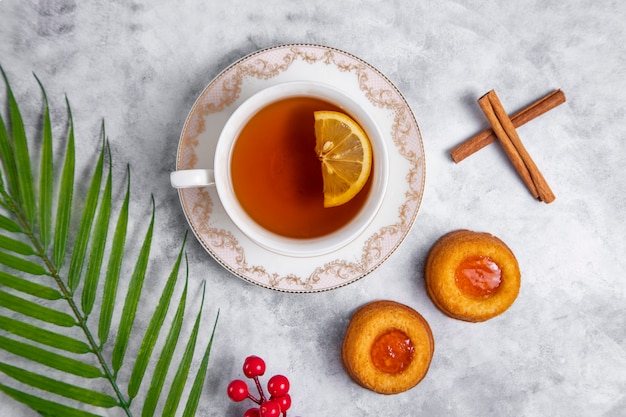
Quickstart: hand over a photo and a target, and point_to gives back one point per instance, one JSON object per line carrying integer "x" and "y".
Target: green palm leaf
{"x": 50, "y": 359}
{"x": 152, "y": 332}
{"x": 160, "y": 372}
{"x": 198, "y": 383}
{"x": 43, "y": 336}
{"x": 86, "y": 221}
{"x": 42, "y": 382}
{"x": 15, "y": 246}
{"x": 8, "y": 163}
{"x": 66, "y": 192}
{"x": 35, "y": 310}
{"x": 44, "y": 407}
{"x": 29, "y": 287}
{"x": 45, "y": 174}
{"x": 173, "y": 398}
{"x": 132, "y": 298}
{"x": 20, "y": 264}
{"x": 113, "y": 269}
{"x": 22, "y": 158}
{"x": 98, "y": 241}
{"x": 32, "y": 257}
{"x": 8, "y": 224}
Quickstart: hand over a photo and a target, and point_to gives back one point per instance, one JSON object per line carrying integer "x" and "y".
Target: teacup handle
{"x": 191, "y": 178}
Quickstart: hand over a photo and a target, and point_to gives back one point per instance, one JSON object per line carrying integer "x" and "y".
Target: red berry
{"x": 252, "y": 412}
{"x": 269, "y": 408}
{"x": 284, "y": 401}
{"x": 253, "y": 366}
{"x": 238, "y": 390}
{"x": 278, "y": 385}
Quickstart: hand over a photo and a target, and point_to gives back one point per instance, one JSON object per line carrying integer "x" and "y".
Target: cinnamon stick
{"x": 487, "y": 136}
{"x": 506, "y": 133}
{"x": 507, "y": 145}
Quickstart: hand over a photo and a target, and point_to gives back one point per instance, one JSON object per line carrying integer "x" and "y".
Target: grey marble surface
{"x": 560, "y": 350}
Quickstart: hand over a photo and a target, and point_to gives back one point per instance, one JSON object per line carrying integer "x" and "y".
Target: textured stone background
{"x": 561, "y": 348}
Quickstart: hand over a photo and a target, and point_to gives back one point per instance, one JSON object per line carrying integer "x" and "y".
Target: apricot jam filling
{"x": 478, "y": 276}
{"x": 392, "y": 352}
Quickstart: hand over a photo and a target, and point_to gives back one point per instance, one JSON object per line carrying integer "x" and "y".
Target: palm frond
{"x": 44, "y": 407}
{"x": 65, "y": 196}
{"x": 84, "y": 230}
{"x": 45, "y": 174}
{"x": 173, "y": 397}
{"x": 198, "y": 383}
{"x": 98, "y": 240}
{"x": 15, "y": 246}
{"x": 8, "y": 163}
{"x": 113, "y": 268}
{"x": 55, "y": 386}
{"x": 35, "y": 310}
{"x": 7, "y": 224}
{"x": 25, "y": 183}
{"x": 149, "y": 340}
{"x": 44, "y": 304}
{"x": 50, "y": 359}
{"x": 132, "y": 298}
{"x": 29, "y": 287}
{"x": 165, "y": 359}
{"x": 21, "y": 264}
{"x": 43, "y": 336}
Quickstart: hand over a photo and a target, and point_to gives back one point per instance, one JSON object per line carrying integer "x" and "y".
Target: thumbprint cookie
{"x": 387, "y": 347}
{"x": 471, "y": 276}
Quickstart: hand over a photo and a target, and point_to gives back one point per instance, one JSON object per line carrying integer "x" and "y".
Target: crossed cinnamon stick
{"x": 503, "y": 128}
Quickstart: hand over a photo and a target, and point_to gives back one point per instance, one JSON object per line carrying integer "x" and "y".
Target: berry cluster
{"x": 277, "y": 386}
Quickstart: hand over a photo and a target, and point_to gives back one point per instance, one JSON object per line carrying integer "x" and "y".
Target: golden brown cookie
{"x": 471, "y": 276}
{"x": 387, "y": 347}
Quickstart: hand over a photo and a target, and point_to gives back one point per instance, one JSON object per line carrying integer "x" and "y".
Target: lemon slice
{"x": 346, "y": 156}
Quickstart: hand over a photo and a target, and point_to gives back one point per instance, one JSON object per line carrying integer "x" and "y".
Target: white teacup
{"x": 220, "y": 176}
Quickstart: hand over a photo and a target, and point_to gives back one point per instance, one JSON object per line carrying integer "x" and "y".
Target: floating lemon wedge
{"x": 346, "y": 156}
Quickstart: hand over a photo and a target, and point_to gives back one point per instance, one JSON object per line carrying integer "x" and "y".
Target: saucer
{"x": 262, "y": 69}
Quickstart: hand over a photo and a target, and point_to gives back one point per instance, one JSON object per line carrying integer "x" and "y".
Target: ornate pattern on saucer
{"x": 233, "y": 250}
